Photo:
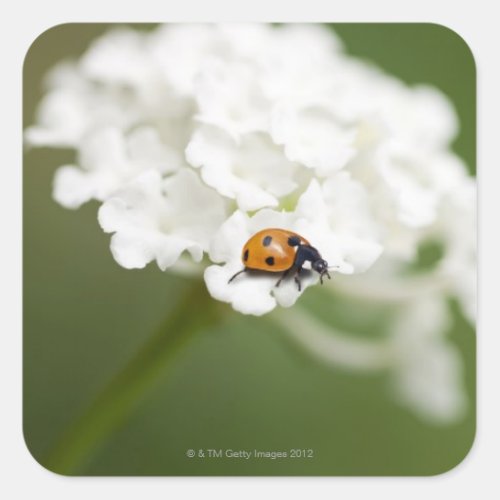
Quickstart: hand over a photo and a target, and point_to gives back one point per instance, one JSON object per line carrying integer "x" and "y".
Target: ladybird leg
{"x": 323, "y": 274}
{"x": 283, "y": 276}
{"x": 234, "y": 275}
{"x": 296, "y": 278}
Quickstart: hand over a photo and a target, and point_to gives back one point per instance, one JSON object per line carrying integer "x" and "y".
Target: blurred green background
{"x": 238, "y": 385}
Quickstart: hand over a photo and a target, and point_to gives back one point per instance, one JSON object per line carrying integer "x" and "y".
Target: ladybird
{"x": 281, "y": 251}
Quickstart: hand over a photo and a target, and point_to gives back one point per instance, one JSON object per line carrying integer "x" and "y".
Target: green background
{"x": 239, "y": 384}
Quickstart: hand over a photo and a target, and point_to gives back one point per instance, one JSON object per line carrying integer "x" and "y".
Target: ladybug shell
{"x": 272, "y": 250}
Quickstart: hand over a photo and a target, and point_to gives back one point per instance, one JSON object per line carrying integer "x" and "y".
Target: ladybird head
{"x": 320, "y": 266}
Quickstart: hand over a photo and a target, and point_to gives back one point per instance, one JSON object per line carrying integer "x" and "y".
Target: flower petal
{"x": 72, "y": 187}
{"x": 313, "y": 137}
{"x": 228, "y": 241}
{"x": 428, "y": 367}
{"x": 229, "y": 96}
{"x": 233, "y": 167}
{"x": 118, "y": 57}
{"x": 246, "y": 295}
{"x": 156, "y": 219}
{"x": 61, "y": 118}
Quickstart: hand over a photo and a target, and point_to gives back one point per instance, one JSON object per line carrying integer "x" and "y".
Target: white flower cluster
{"x": 195, "y": 137}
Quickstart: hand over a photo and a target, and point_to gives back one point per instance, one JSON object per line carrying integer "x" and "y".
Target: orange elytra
{"x": 281, "y": 251}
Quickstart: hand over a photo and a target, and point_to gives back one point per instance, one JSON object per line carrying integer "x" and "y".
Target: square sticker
{"x": 249, "y": 249}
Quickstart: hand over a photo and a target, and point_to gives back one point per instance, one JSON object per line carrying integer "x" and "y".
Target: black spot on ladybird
{"x": 267, "y": 241}
{"x": 270, "y": 261}
{"x": 245, "y": 255}
{"x": 294, "y": 241}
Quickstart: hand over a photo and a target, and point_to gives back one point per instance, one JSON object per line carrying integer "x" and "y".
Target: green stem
{"x": 195, "y": 312}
